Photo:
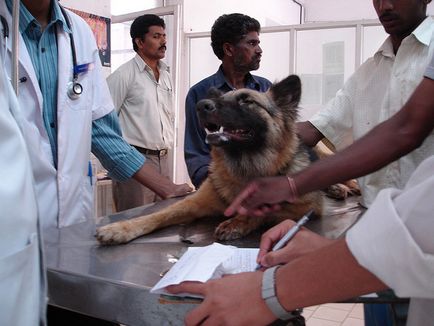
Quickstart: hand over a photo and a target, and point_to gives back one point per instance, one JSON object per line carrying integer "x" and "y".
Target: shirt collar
{"x": 422, "y": 33}
{"x": 143, "y": 65}
{"x": 26, "y": 18}
{"x": 221, "y": 82}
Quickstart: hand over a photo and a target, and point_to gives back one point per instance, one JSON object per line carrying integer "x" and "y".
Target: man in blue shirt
{"x": 235, "y": 41}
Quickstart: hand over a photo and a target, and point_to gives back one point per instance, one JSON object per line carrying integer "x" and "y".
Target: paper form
{"x": 204, "y": 263}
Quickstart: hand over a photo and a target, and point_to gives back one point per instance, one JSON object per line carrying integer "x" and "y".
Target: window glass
{"x": 373, "y": 37}
{"x": 120, "y": 7}
{"x": 324, "y": 60}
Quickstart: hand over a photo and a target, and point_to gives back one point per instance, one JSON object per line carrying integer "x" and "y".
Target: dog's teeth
{"x": 221, "y": 129}
{"x": 207, "y": 131}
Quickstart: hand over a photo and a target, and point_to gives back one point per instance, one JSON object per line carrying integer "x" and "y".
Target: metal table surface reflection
{"x": 113, "y": 282}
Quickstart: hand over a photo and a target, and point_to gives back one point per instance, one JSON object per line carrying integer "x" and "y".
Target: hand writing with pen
{"x": 236, "y": 299}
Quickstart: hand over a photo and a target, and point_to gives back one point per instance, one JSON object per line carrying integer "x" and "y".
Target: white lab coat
{"x": 22, "y": 278}
{"x": 64, "y": 196}
{"x": 394, "y": 240}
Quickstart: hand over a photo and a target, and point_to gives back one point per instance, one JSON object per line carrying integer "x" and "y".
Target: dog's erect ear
{"x": 286, "y": 93}
{"x": 213, "y": 93}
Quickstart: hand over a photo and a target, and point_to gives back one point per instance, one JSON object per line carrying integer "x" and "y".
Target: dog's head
{"x": 246, "y": 120}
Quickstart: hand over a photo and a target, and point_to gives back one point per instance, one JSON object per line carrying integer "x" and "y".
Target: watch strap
{"x": 269, "y": 294}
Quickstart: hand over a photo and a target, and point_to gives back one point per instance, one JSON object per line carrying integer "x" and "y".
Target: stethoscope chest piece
{"x": 74, "y": 90}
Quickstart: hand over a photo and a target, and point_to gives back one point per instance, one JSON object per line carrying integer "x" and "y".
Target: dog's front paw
{"x": 115, "y": 233}
{"x": 343, "y": 190}
{"x": 231, "y": 229}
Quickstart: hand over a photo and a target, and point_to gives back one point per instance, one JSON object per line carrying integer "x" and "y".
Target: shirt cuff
{"x": 382, "y": 244}
{"x": 128, "y": 166}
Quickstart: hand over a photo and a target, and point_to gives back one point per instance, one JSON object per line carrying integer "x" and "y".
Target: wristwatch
{"x": 269, "y": 294}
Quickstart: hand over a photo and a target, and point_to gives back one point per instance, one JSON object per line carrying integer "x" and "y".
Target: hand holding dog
{"x": 304, "y": 241}
{"x": 231, "y": 300}
{"x": 261, "y": 196}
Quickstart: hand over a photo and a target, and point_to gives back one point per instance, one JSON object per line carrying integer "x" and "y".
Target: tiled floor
{"x": 334, "y": 314}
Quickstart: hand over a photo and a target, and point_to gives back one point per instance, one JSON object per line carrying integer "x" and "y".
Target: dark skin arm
{"x": 387, "y": 142}
{"x": 148, "y": 176}
{"x": 308, "y": 134}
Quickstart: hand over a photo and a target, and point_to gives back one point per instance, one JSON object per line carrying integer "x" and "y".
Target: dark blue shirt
{"x": 196, "y": 151}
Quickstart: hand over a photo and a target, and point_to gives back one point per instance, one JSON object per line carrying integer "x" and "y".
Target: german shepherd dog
{"x": 252, "y": 134}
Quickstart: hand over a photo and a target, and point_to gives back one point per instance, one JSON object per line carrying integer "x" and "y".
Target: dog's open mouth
{"x": 221, "y": 135}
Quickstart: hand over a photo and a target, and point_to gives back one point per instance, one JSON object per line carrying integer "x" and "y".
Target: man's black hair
{"x": 231, "y": 28}
{"x": 141, "y": 24}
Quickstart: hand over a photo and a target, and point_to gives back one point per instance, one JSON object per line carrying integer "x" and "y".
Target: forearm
{"x": 329, "y": 274}
{"x": 148, "y": 176}
{"x": 308, "y": 134}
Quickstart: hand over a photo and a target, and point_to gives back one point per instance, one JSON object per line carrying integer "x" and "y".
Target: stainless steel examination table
{"x": 113, "y": 282}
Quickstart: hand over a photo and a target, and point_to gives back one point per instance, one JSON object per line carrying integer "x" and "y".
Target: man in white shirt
{"x": 378, "y": 89}
{"x": 142, "y": 93}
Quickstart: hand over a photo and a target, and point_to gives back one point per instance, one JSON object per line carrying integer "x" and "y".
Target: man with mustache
{"x": 235, "y": 41}
{"x": 142, "y": 93}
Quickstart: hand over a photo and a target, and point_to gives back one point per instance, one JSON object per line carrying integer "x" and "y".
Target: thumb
{"x": 273, "y": 258}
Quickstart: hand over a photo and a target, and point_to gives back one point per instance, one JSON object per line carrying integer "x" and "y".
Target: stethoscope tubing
{"x": 75, "y": 89}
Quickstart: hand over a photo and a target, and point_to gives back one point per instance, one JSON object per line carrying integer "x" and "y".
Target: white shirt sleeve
{"x": 394, "y": 238}
{"x": 335, "y": 120}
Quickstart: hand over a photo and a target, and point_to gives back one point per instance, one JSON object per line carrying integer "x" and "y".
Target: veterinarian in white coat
{"x": 61, "y": 127}
{"x": 65, "y": 195}
{"x": 22, "y": 279}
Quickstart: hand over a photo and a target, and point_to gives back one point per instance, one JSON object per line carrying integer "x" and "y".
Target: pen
{"x": 89, "y": 172}
{"x": 290, "y": 234}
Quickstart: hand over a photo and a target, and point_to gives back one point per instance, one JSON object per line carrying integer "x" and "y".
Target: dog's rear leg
{"x": 205, "y": 202}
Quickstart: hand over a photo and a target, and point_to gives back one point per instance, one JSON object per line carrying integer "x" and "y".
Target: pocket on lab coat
{"x": 20, "y": 285}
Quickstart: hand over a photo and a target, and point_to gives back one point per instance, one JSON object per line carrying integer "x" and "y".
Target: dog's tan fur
{"x": 274, "y": 152}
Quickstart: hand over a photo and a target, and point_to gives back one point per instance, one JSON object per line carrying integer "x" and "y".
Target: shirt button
{"x": 43, "y": 50}
{"x": 52, "y": 125}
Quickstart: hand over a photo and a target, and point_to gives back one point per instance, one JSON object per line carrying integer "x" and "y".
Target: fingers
{"x": 270, "y": 237}
{"x": 198, "y": 315}
{"x": 187, "y": 287}
{"x": 274, "y": 258}
{"x": 236, "y": 205}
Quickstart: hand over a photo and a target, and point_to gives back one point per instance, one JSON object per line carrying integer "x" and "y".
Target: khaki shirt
{"x": 145, "y": 106}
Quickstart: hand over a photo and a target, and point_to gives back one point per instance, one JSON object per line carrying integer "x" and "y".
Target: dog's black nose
{"x": 205, "y": 106}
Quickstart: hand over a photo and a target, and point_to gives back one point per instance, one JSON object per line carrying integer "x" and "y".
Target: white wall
{"x": 340, "y": 10}
{"x": 199, "y": 15}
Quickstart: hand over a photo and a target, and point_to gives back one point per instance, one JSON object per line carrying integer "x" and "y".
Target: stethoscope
{"x": 74, "y": 88}
{"x": 5, "y": 27}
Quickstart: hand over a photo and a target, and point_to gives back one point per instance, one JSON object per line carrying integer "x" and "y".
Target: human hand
{"x": 303, "y": 242}
{"x": 179, "y": 190}
{"x": 261, "y": 196}
{"x": 232, "y": 300}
